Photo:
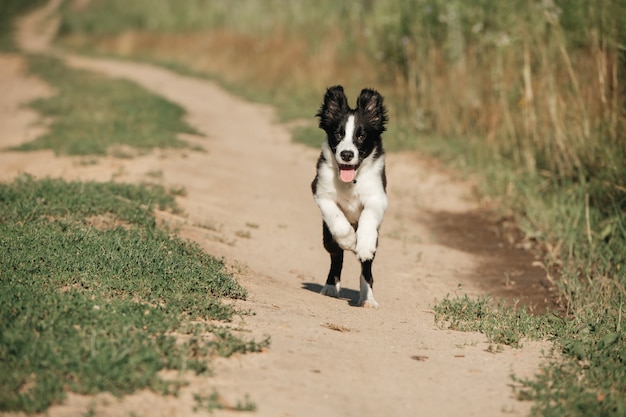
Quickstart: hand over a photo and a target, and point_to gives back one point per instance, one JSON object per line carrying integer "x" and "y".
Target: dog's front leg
{"x": 339, "y": 227}
{"x": 367, "y": 231}
{"x": 367, "y": 241}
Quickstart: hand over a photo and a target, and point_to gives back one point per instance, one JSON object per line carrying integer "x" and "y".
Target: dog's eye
{"x": 338, "y": 135}
{"x": 360, "y": 138}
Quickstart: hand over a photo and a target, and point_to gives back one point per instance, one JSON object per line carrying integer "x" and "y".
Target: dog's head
{"x": 352, "y": 134}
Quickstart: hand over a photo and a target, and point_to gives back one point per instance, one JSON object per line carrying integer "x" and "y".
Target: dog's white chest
{"x": 350, "y": 203}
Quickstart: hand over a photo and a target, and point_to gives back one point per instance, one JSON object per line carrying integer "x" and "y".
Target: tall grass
{"x": 536, "y": 85}
{"x": 539, "y": 83}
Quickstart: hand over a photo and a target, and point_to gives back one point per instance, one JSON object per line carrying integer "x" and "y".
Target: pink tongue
{"x": 347, "y": 174}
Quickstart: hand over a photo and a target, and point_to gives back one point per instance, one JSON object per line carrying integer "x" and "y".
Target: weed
{"x": 213, "y": 402}
{"x": 244, "y": 234}
{"x": 245, "y": 404}
{"x": 501, "y": 325}
{"x": 210, "y": 225}
{"x": 465, "y": 344}
{"x": 91, "y": 411}
{"x": 208, "y": 402}
{"x": 155, "y": 174}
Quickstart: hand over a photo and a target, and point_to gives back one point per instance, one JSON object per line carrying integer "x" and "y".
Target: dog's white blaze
{"x": 349, "y": 129}
{"x": 347, "y": 144}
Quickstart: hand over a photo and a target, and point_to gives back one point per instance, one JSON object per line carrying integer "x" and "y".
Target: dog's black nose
{"x": 347, "y": 155}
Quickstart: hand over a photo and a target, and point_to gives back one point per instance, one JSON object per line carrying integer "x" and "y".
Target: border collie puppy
{"x": 350, "y": 184}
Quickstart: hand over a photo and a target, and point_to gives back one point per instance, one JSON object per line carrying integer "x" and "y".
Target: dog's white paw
{"x": 366, "y": 295}
{"x": 331, "y": 290}
{"x": 368, "y": 304}
{"x": 367, "y": 240}
{"x": 365, "y": 252}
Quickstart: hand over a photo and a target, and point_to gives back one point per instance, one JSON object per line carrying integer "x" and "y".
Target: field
{"x": 527, "y": 96}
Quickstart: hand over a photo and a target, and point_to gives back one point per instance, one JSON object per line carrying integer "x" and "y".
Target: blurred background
{"x": 536, "y": 83}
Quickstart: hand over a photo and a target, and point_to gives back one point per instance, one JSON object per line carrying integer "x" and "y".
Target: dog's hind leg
{"x": 333, "y": 282}
{"x": 366, "y": 295}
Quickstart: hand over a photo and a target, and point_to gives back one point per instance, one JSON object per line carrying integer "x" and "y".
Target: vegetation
{"x": 213, "y": 401}
{"x": 528, "y": 94}
{"x": 502, "y": 325}
{"x": 92, "y": 114}
{"x": 8, "y": 10}
{"x": 94, "y": 294}
{"x": 586, "y": 379}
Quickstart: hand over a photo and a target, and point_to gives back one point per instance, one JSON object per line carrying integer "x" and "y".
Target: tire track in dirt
{"x": 248, "y": 199}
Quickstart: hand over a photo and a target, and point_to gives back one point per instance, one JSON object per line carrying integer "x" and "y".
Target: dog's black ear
{"x": 333, "y": 108}
{"x": 370, "y": 105}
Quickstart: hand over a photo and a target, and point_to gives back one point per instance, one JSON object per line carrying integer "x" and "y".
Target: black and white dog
{"x": 350, "y": 184}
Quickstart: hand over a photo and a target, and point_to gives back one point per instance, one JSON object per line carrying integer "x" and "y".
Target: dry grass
{"x": 530, "y": 97}
{"x": 278, "y": 65}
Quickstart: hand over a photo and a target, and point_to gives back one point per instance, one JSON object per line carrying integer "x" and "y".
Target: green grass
{"x": 94, "y": 294}
{"x": 213, "y": 401}
{"x": 586, "y": 376}
{"x": 308, "y": 135}
{"x": 502, "y": 325}
{"x": 91, "y": 114}
{"x": 91, "y": 306}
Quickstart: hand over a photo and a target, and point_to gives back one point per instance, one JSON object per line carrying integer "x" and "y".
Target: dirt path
{"x": 248, "y": 199}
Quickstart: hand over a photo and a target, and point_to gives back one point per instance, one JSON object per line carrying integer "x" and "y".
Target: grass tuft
{"x": 501, "y": 324}
{"x": 213, "y": 402}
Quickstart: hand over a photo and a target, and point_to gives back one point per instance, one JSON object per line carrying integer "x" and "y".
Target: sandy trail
{"x": 248, "y": 199}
